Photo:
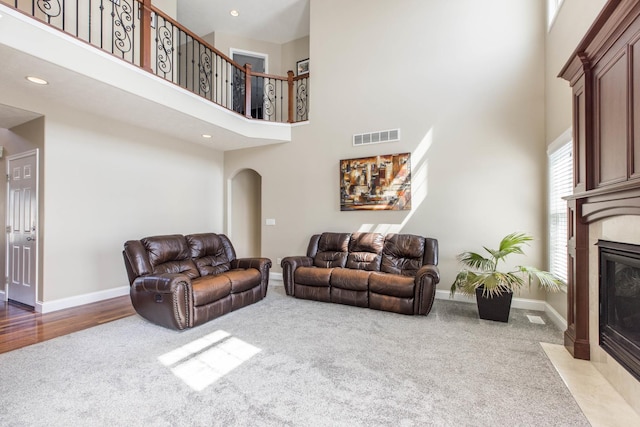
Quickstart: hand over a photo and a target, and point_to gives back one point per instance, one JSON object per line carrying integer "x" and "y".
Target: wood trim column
{"x": 576, "y": 337}
{"x": 145, "y": 35}
{"x": 247, "y": 90}
{"x": 291, "y": 95}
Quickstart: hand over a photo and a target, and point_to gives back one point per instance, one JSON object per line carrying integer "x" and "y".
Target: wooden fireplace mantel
{"x": 604, "y": 73}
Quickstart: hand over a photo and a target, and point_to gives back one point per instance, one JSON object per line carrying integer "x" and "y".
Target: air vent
{"x": 376, "y": 137}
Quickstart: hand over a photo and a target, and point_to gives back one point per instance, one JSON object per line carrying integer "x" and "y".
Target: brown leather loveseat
{"x": 184, "y": 281}
{"x": 396, "y": 272}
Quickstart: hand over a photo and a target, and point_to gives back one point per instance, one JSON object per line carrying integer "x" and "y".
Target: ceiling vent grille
{"x": 376, "y": 137}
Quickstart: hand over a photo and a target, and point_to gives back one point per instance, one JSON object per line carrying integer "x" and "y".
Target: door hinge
{"x": 8, "y": 228}
{"x": 8, "y": 179}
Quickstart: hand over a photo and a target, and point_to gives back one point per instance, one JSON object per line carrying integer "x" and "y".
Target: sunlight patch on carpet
{"x": 202, "y": 362}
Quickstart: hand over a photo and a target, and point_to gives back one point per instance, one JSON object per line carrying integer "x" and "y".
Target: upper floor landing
{"x": 129, "y": 61}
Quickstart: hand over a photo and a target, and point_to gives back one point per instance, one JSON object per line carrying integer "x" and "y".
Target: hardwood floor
{"x": 20, "y": 326}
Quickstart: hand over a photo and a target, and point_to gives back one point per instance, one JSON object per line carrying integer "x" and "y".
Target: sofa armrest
{"x": 261, "y": 264}
{"x": 164, "y": 299}
{"x": 429, "y": 270}
{"x": 289, "y": 266}
{"x": 427, "y": 278}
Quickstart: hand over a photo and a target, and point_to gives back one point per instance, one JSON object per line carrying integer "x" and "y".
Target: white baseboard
{"x": 275, "y": 276}
{"x": 60, "y": 304}
{"x": 527, "y": 304}
{"x": 555, "y": 317}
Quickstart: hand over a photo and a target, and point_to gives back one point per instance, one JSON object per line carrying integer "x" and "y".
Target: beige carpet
{"x": 285, "y": 361}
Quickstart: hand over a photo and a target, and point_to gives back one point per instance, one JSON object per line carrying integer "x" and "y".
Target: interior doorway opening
{"x": 21, "y": 136}
{"x": 245, "y": 212}
{"x": 258, "y": 62}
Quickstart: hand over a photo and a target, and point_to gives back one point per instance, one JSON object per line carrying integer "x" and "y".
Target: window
{"x": 553, "y": 6}
{"x": 560, "y": 185}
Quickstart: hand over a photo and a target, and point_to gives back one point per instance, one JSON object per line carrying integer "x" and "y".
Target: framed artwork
{"x": 302, "y": 67}
{"x": 376, "y": 183}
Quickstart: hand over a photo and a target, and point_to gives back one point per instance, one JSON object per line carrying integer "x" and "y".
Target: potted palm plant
{"x": 494, "y": 289}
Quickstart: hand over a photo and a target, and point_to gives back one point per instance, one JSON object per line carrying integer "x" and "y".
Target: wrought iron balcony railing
{"x": 141, "y": 34}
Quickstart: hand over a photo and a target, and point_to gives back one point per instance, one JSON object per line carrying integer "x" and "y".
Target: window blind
{"x": 560, "y": 185}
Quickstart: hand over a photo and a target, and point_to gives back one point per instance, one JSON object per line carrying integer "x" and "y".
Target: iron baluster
{"x": 122, "y": 18}
{"x": 51, "y": 8}
{"x": 165, "y": 44}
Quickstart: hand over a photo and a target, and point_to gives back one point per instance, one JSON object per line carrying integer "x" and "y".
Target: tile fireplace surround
{"x": 625, "y": 229}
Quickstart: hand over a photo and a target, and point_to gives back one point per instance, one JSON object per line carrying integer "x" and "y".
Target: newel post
{"x": 290, "y": 98}
{"x": 247, "y": 90}
{"x": 145, "y": 35}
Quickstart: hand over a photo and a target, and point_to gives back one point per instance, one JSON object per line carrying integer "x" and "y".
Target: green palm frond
{"x": 482, "y": 271}
{"x": 512, "y": 244}
{"x": 476, "y": 261}
{"x": 547, "y": 280}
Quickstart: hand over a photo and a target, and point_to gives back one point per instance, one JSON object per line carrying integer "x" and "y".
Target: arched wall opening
{"x": 244, "y": 225}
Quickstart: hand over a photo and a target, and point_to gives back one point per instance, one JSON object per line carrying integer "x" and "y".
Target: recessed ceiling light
{"x": 37, "y": 80}
{"x": 234, "y": 12}
{"x": 204, "y": 135}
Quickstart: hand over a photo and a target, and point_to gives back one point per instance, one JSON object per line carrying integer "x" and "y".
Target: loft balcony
{"x": 128, "y": 60}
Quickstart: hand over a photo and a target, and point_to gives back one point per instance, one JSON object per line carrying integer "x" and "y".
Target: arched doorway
{"x": 245, "y": 213}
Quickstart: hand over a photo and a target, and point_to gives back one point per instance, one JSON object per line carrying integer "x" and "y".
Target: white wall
{"x": 466, "y": 87}
{"x": 108, "y": 182}
{"x": 294, "y": 51}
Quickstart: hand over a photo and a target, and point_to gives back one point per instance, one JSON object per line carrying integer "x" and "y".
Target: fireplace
{"x": 620, "y": 303}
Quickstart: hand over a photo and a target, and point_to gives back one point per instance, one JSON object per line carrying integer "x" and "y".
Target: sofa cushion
{"x": 402, "y": 254}
{"x": 243, "y": 279}
{"x": 346, "y": 278}
{"x": 312, "y": 276}
{"x": 365, "y": 251}
{"x": 392, "y": 285}
{"x": 208, "y": 289}
{"x": 332, "y": 250}
{"x": 209, "y": 253}
{"x": 170, "y": 254}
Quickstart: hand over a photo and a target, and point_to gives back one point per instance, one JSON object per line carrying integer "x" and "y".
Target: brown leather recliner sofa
{"x": 396, "y": 272}
{"x": 184, "y": 281}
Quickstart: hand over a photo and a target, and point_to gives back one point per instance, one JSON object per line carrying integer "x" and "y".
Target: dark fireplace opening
{"x": 620, "y": 303}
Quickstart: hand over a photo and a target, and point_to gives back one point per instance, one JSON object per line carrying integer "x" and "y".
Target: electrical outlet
{"x": 270, "y": 221}
{"x": 279, "y": 261}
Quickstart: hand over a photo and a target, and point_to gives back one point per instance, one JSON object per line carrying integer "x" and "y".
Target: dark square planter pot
{"x": 494, "y": 308}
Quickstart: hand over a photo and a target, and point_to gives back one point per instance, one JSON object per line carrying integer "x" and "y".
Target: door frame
{"x": 260, "y": 55}
{"x": 35, "y": 152}
{"x": 265, "y": 56}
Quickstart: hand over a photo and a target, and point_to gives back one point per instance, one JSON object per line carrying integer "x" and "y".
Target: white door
{"x": 22, "y": 232}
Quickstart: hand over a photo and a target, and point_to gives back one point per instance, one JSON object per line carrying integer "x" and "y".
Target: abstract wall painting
{"x": 376, "y": 183}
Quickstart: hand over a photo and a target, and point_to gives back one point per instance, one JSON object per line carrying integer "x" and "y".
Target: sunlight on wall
{"x": 419, "y": 187}
{"x": 202, "y": 362}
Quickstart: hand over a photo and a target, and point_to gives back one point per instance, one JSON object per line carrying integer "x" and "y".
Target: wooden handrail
{"x": 268, "y": 76}
{"x": 205, "y": 71}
